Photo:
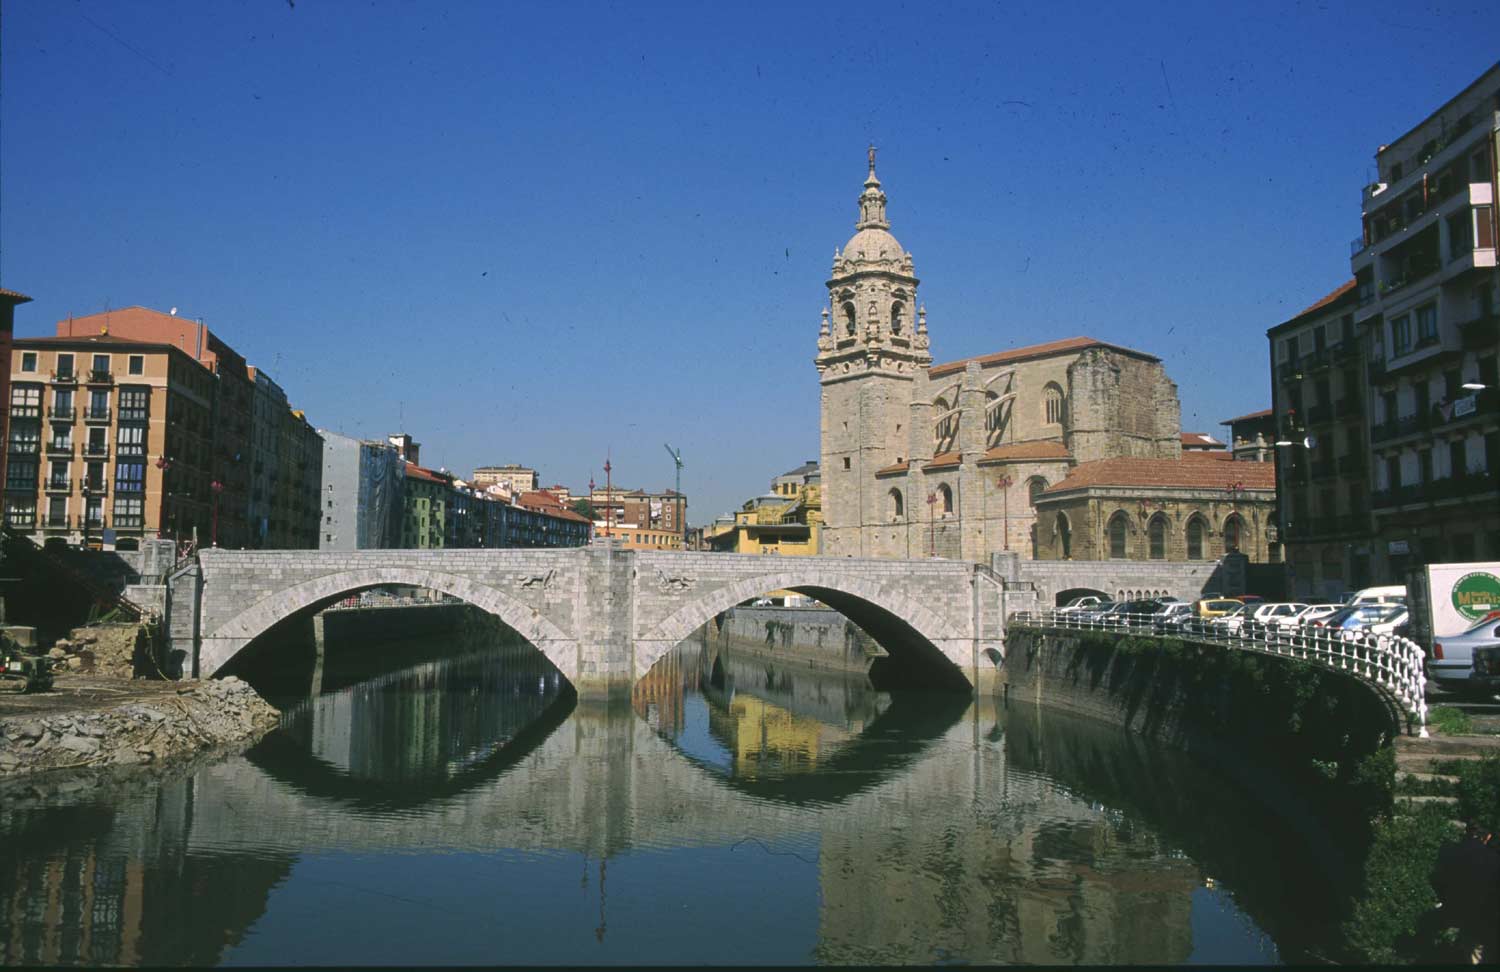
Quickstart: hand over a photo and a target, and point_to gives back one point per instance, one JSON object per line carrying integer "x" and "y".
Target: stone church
{"x": 1070, "y": 449}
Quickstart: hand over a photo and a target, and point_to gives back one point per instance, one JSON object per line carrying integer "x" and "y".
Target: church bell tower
{"x": 872, "y": 346}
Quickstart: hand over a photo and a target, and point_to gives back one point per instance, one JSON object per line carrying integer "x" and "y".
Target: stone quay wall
{"x": 813, "y": 636}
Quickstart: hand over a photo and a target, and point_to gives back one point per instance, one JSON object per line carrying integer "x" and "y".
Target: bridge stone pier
{"x": 603, "y": 615}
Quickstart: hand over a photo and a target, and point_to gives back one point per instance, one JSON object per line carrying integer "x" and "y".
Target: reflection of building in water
{"x": 431, "y": 720}
{"x": 119, "y": 888}
{"x": 1026, "y": 888}
{"x": 657, "y": 696}
{"x": 764, "y": 737}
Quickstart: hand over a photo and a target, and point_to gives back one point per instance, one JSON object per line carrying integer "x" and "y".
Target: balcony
{"x": 20, "y": 519}
{"x": 1356, "y": 245}
{"x": 91, "y": 524}
{"x": 1344, "y": 350}
{"x": 130, "y": 449}
{"x": 1395, "y": 496}
{"x": 25, "y": 411}
{"x": 60, "y": 447}
{"x": 64, "y": 378}
{"x": 25, "y": 447}
{"x": 1455, "y": 487}
{"x": 1476, "y": 335}
{"x": 1316, "y": 360}
{"x": 134, "y": 414}
{"x": 96, "y": 449}
{"x": 97, "y": 415}
{"x": 51, "y": 522}
{"x": 60, "y": 484}
{"x": 1289, "y": 371}
{"x": 62, "y": 413}
{"x": 129, "y": 521}
{"x": 100, "y": 378}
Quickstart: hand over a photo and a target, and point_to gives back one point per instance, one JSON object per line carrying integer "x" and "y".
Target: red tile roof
{"x": 13, "y": 296}
{"x": 1035, "y": 351}
{"x": 1200, "y": 439}
{"x": 414, "y": 471}
{"x": 1036, "y": 450}
{"x": 898, "y": 467}
{"x": 1245, "y": 418}
{"x": 943, "y": 460}
{"x": 1192, "y": 471}
{"x": 541, "y": 501}
{"x": 1318, "y": 304}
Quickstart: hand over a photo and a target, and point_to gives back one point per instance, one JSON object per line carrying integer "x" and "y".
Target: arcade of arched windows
{"x": 1174, "y": 533}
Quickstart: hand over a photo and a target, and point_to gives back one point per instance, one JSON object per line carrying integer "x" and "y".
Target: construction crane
{"x": 676, "y": 455}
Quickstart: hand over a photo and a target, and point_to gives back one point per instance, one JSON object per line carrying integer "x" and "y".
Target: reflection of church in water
{"x": 1069, "y": 449}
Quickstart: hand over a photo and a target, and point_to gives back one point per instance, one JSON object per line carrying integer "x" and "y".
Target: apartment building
{"x": 1426, "y": 306}
{"x": 110, "y": 440}
{"x": 1321, "y": 444}
{"x": 664, "y": 512}
{"x": 9, "y": 300}
{"x": 285, "y": 471}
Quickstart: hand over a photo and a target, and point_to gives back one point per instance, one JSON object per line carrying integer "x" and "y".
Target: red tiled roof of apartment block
{"x": 1318, "y": 304}
{"x": 1202, "y": 471}
{"x": 1037, "y": 449}
{"x": 1035, "y": 351}
{"x": 414, "y": 471}
{"x": 1245, "y": 418}
{"x": 541, "y": 501}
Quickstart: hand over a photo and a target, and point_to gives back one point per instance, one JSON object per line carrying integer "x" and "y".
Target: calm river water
{"x": 467, "y": 810}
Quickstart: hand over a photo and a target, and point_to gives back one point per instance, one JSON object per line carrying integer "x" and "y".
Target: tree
{"x": 584, "y": 508}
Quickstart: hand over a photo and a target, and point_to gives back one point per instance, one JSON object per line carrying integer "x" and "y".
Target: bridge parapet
{"x": 1389, "y": 665}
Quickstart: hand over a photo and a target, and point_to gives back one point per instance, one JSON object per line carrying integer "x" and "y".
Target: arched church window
{"x": 1195, "y": 533}
{"x": 1234, "y": 528}
{"x": 1052, "y": 403}
{"x": 1156, "y": 532}
{"x": 945, "y": 430}
{"x": 1034, "y": 487}
{"x": 945, "y": 499}
{"x": 896, "y": 312}
{"x": 1117, "y": 526}
{"x": 898, "y": 506}
{"x": 849, "y": 317}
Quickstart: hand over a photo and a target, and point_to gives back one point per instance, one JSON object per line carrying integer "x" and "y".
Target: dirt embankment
{"x": 92, "y": 722}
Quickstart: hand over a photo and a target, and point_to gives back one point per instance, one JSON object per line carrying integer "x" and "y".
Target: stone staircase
{"x": 1420, "y": 761}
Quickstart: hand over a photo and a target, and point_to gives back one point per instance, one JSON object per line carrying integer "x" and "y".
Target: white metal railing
{"x": 1389, "y": 664}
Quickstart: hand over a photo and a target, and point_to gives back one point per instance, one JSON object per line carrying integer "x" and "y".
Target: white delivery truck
{"x": 1446, "y": 599}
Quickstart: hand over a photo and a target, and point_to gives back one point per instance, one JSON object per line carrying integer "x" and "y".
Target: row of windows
{"x": 100, "y": 365}
{"x": 1157, "y": 529}
{"x": 941, "y": 499}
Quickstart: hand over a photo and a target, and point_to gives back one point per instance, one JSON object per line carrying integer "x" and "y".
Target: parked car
{"x": 1138, "y": 612}
{"x": 1451, "y": 663}
{"x": 1208, "y": 608}
{"x": 1172, "y": 617}
{"x": 1230, "y": 622}
{"x": 1373, "y": 618}
{"x": 1084, "y": 602}
{"x": 1336, "y": 619}
{"x": 1484, "y": 676}
{"x": 1389, "y": 594}
{"x": 1313, "y": 613}
{"x": 1275, "y": 615}
{"x": 1248, "y": 598}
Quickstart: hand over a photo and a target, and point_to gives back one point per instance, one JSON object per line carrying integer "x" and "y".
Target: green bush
{"x": 1450, "y": 721}
{"x": 1479, "y": 793}
{"x": 1397, "y": 888}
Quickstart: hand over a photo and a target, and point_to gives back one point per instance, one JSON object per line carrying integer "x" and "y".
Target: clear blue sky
{"x": 536, "y": 232}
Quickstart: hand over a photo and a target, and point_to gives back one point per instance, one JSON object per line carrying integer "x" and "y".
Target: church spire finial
{"x": 872, "y": 160}
{"x": 872, "y": 200}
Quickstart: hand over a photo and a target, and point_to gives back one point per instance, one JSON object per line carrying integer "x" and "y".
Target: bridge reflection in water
{"x": 745, "y": 809}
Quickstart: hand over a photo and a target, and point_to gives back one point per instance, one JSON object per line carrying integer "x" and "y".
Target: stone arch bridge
{"x": 601, "y": 615}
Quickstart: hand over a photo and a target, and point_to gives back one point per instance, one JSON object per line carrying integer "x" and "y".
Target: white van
{"x": 1392, "y": 594}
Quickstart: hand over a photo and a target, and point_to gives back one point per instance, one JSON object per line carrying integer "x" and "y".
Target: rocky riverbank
{"x": 105, "y": 726}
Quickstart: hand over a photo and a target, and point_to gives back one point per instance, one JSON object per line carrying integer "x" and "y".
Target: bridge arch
{"x": 233, "y": 636}
{"x": 913, "y": 634}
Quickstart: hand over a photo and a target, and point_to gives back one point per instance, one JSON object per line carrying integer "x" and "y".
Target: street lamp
{"x": 217, "y": 488}
{"x": 164, "y": 464}
{"x": 1475, "y": 386}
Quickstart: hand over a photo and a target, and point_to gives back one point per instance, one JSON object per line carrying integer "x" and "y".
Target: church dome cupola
{"x": 872, "y": 241}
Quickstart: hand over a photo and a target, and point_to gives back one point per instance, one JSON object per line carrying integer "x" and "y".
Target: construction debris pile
{"x": 163, "y": 722}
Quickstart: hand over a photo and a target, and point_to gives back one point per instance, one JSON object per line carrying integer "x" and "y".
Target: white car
{"x": 1084, "y": 602}
{"x": 1232, "y": 622}
{"x": 1278, "y": 615}
{"x": 1315, "y": 612}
